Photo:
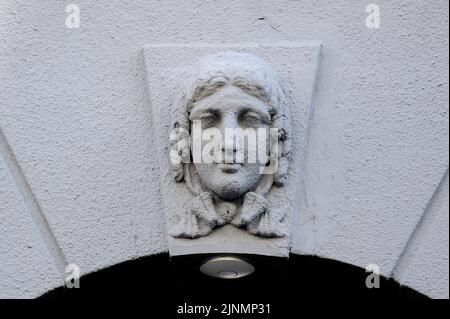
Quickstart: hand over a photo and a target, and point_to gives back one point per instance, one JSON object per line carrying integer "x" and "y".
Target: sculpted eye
{"x": 250, "y": 118}
{"x": 209, "y": 119}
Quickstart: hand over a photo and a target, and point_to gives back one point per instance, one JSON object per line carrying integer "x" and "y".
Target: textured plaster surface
{"x": 73, "y": 108}
{"x": 425, "y": 261}
{"x": 26, "y": 266}
{"x": 74, "y": 113}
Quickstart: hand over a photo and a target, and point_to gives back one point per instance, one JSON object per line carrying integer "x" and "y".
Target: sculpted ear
{"x": 280, "y": 176}
{"x": 284, "y": 152}
{"x": 180, "y": 151}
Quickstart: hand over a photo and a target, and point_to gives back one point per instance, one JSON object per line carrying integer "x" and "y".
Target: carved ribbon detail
{"x": 201, "y": 218}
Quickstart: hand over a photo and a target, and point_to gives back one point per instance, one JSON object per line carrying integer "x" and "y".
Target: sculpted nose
{"x": 229, "y": 152}
{"x": 229, "y": 148}
{"x": 228, "y": 131}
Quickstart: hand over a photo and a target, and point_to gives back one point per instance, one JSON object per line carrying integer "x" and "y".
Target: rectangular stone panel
{"x": 297, "y": 64}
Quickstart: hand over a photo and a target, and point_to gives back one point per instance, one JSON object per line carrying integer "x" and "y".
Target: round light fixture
{"x": 227, "y": 267}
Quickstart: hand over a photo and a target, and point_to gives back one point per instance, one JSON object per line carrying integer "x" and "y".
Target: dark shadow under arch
{"x": 163, "y": 280}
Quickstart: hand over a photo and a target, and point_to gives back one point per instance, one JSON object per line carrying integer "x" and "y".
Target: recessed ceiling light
{"x": 227, "y": 267}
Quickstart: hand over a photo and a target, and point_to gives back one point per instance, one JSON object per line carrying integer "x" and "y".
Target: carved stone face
{"x": 230, "y": 108}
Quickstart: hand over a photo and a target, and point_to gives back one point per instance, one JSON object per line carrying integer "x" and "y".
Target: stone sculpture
{"x": 226, "y": 97}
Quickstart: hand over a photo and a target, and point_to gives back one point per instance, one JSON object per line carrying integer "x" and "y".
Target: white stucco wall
{"x": 424, "y": 263}
{"x": 78, "y": 169}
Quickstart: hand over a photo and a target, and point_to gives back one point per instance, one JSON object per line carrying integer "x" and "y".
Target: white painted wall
{"x": 424, "y": 263}
{"x": 77, "y": 165}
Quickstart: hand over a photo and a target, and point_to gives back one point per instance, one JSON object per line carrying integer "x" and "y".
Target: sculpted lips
{"x": 228, "y": 168}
